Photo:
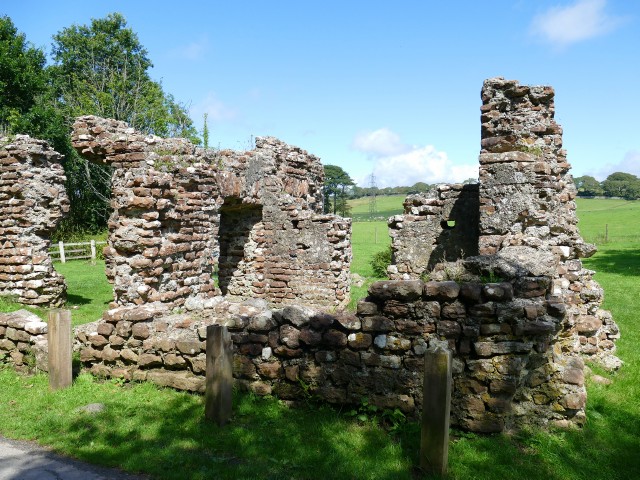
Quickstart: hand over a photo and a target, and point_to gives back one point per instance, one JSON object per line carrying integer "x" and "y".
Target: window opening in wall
{"x": 448, "y": 224}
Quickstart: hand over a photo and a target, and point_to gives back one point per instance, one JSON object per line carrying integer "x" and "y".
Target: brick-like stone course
{"x": 32, "y": 202}
{"x": 183, "y": 214}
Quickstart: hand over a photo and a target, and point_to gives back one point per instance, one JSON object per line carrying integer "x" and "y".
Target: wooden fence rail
{"x": 62, "y": 251}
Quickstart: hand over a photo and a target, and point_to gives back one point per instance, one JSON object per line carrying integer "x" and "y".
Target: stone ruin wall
{"x": 437, "y": 226}
{"x": 515, "y": 341}
{"x": 526, "y": 209}
{"x": 516, "y": 319}
{"x": 527, "y": 202}
{"x": 32, "y": 202}
{"x": 182, "y": 214}
{"x": 506, "y": 372}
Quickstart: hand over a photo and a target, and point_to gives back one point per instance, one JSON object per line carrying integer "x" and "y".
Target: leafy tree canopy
{"x": 103, "y": 69}
{"x": 336, "y": 185}
{"x": 620, "y": 184}
{"x": 22, "y": 76}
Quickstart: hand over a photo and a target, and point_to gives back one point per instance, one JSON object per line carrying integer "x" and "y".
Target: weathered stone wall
{"x": 437, "y": 226}
{"x": 527, "y": 214}
{"x": 183, "y": 214}
{"x": 23, "y": 340}
{"x": 509, "y": 364}
{"x": 32, "y": 202}
{"x": 527, "y": 200}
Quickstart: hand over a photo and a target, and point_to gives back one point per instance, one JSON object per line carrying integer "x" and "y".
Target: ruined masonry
{"x": 491, "y": 271}
{"x": 32, "y": 202}
{"x": 183, "y": 215}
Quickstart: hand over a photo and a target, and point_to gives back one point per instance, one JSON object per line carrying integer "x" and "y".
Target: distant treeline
{"x": 618, "y": 184}
{"x": 419, "y": 187}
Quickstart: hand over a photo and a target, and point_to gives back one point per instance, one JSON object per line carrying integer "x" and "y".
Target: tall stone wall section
{"x": 32, "y": 202}
{"x": 437, "y": 226}
{"x": 182, "y": 215}
{"x": 527, "y": 203}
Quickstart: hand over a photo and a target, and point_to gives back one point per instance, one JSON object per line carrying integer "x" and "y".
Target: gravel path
{"x": 27, "y": 461}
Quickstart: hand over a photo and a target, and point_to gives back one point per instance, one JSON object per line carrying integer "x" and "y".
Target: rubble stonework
{"x": 23, "y": 340}
{"x": 526, "y": 214}
{"x": 508, "y": 369}
{"x": 32, "y": 202}
{"x": 182, "y": 214}
{"x": 527, "y": 200}
{"x": 491, "y": 271}
{"x": 437, "y": 226}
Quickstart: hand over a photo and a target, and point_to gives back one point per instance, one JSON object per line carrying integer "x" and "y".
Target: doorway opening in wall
{"x": 241, "y": 241}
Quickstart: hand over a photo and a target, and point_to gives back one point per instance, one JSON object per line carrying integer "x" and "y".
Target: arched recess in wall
{"x": 240, "y": 263}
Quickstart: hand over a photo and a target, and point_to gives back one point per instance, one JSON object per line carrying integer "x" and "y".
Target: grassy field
{"x": 163, "y": 433}
{"x": 386, "y": 205}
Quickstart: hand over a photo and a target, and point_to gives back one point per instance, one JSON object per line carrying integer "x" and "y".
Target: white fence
{"x": 75, "y": 251}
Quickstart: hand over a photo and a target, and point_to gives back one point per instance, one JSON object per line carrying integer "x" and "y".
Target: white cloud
{"x": 215, "y": 108}
{"x": 582, "y": 20}
{"x": 379, "y": 143}
{"x": 398, "y": 164}
{"x": 629, "y": 164}
{"x": 192, "y": 51}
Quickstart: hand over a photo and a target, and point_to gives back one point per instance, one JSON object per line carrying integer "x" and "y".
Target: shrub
{"x": 381, "y": 261}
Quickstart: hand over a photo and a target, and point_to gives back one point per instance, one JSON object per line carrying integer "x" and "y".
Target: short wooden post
{"x": 606, "y": 233}
{"x": 61, "y": 248}
{"x": 436, "y": 407}
{"x": 219, "y": 376}
{"x": 93, "y": 252}
{"x": 59, "y": 340}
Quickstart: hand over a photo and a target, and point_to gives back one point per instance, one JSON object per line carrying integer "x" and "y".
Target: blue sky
{"x": 389, "y": 88}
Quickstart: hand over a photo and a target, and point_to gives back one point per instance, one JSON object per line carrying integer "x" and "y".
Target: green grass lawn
{"x": 386, "y": 205}
{"x": 619, "y": 217}
{"x": 88, "y": 291}
{"x": 163, "y": 433}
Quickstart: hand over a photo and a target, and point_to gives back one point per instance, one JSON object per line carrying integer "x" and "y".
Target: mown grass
{"x": 88, "y": 291}
{"x": 162, "y": 432}
{"x": 611, "y": 220}
{"x": 367, "y": 239}
{"x": 386, "y": 206}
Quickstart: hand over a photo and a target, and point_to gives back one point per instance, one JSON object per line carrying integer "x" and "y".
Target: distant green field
{"x": 386, "y": 206}
{"x": 609, "y": 220}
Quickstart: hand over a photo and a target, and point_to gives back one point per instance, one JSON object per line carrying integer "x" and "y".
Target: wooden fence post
{"x": 436, "y": 408}
{"x": 93, "y": 252}
{"x": 61, "y": 248}
{"x": 219, "y": 375}
{"x": 59, "y": 344}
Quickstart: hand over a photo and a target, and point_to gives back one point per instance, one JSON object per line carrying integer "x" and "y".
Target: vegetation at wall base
{"x": 162, "y": 432}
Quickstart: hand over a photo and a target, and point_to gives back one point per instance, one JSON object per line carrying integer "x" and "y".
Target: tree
{"x": 620, "y": 184}
{"x": 336, "y": 183}
{"x": 588, "y": 186}
{"x": 103, "y": 69}
{"x": 22, "y": 75}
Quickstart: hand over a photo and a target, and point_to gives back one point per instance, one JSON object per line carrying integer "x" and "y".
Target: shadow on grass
{"x": 265, "y": 439}
{"x": 622, "y": 262}
{"x": 603, "y": 449}
{"x": 73, "y": 299}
